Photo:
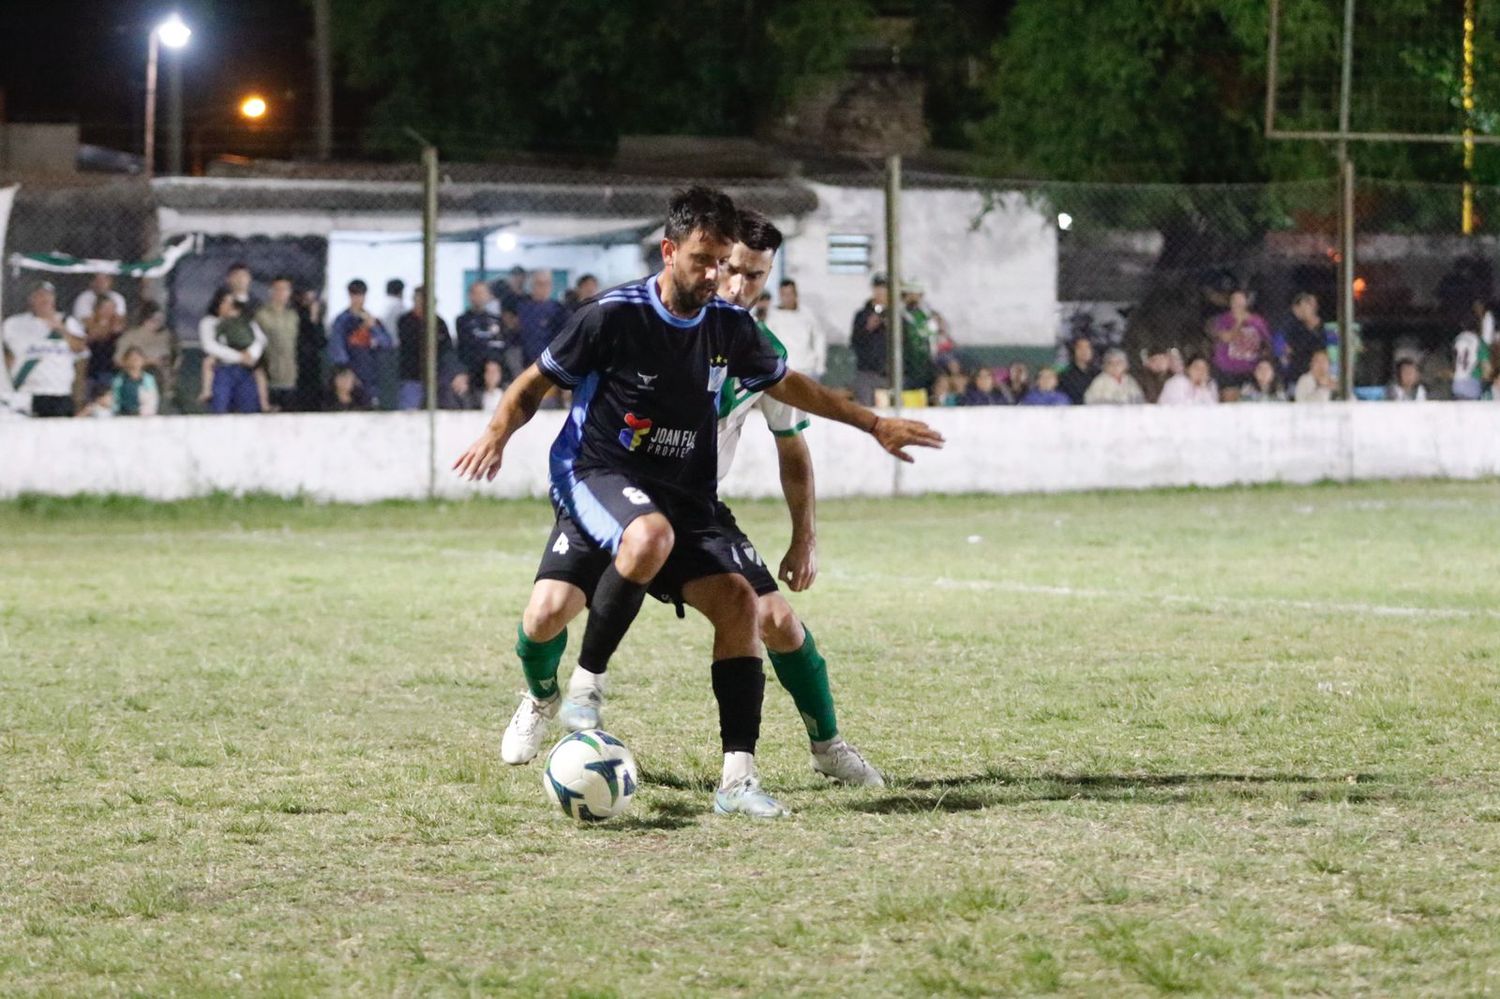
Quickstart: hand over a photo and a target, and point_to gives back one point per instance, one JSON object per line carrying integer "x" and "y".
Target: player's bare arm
{"x": 799, "y": 567}
{"x": 516, "y": 407}
{"x": 894, "y": 435}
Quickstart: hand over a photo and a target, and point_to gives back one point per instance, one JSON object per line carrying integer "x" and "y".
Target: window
{"x": 849, "y": 254}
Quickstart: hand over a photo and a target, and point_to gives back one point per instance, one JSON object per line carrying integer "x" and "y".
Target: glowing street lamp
{"x": 253, "y": 107}
{"x": 174, "y": 34}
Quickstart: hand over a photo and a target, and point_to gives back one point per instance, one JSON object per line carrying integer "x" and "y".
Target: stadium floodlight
{"x": 1064, "y": 221}
{"x": 505, "y": 241}
{"x": 173, "y": 32}
{"x": 253, "y": 107}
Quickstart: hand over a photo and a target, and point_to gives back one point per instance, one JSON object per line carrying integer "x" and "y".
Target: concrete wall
{"x": 368, "y": 457}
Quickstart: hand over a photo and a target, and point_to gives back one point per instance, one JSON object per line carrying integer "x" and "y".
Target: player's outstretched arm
{"x": 892, "y": 434}
{"x": 517, "y": 406}
{"x": 799, "y": 567}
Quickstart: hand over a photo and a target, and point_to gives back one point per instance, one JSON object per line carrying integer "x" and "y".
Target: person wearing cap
{"x": 356, "y": 336}
{"x": 868, "y": 340}
{"x": 44, "y": 350}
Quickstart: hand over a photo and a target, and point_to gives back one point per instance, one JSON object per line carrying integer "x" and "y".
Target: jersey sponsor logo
{"x": 635, "y": 431}
{"x": 646, "y": 379}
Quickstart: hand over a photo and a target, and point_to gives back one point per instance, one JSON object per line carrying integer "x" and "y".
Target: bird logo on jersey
{"x": 635, "y": 431}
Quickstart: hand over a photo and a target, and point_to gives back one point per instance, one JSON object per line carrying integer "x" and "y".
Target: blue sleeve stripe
{"x": 549, "y": 364}
{"x": 764, "y": 382}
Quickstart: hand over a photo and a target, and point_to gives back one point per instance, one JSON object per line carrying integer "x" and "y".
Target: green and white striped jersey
{"x": 736, "y": 402}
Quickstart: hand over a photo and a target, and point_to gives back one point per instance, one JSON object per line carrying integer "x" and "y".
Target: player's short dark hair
{"x": 357, "y": 287}
{"x": 395, "y": 286}
{"x": 701, "y": 209}
{"x": 758, "y": 232}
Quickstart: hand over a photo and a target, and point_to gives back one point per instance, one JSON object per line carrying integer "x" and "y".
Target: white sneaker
{"x": 843, "y": 763}
{"x": 583, "y": 708}
{"x": 745, "y": 797}
{"x": 528, "y": 727}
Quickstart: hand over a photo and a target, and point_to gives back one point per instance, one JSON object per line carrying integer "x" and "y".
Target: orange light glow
{"x": 1359, "y": 287}
{"x": 253, "y": 106}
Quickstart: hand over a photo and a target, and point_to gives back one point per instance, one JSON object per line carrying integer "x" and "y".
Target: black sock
{"x": 739, "y": 687}
{"x": 616, "y": 603}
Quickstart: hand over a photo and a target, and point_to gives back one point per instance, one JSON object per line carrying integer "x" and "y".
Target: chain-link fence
{"x": 999, "y": 275}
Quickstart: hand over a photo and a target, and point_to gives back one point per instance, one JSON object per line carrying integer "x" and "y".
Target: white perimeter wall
{"x": 367, "y": 457}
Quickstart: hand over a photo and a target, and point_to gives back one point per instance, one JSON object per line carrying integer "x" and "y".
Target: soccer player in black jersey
{"x": 634, "y": 470}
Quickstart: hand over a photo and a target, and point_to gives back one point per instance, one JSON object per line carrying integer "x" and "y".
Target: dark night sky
{"x": 84, "y": 61}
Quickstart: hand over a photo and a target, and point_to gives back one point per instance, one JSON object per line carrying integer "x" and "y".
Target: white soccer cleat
{"x": 745, "y": 797}
{"x": 843, "y": 763}
{"x": 583, "y": 708}
{"x": 528, "y": 727}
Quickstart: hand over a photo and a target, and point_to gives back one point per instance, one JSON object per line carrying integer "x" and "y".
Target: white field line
{"x": 1225, "y": 602}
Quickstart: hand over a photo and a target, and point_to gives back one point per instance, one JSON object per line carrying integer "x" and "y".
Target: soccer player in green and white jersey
{"x": 793, "y": 652}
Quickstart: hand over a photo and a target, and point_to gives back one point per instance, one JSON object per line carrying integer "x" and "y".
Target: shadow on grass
{"x": 995, "y": 788}
{"x": 679, "y": 781}
{"x": 664, "y": 815}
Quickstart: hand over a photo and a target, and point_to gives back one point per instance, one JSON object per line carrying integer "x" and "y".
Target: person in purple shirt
{"x": 541, "y": 317}
{"x": 1045, "y": 392}
{"x": 1241, "y": 338}
{"x": 355, "y": 336}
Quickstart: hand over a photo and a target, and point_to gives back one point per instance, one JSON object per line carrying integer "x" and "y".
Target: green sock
{"x": 804, "y": 674}
{"x": 539, "y": 662}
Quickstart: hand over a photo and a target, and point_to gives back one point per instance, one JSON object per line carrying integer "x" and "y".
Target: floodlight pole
{"x": 153, "y": 56}
{"x": 1346, "y": 213}
{"x": 893, "y": 275}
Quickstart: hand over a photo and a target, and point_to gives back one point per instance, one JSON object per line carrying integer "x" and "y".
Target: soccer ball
{"x": 591, "y": 776}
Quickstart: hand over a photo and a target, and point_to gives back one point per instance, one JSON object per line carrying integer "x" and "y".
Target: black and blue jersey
{"x": 646, "y": 388}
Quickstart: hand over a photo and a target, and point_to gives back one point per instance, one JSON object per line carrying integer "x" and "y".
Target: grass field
{"x": 1236, "y": 742}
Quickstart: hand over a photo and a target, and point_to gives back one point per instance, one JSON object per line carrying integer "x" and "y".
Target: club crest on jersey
{"x": 635, "y": 431}
{"x": 718, "y": 372}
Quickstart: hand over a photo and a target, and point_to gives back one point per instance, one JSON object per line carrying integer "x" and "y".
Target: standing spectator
{"x": 491, "y": 386}
{"x": 1080, "y": 374}
{"x": 345, "y": 393}
{"x": 312, "y": 346}
{"x": 1317, "y": 384}
{"x": 455, "y": 392}
{"x": 1407, "y": 385}
{"x": 43, "y": 351}
{"x": 1471, "y": 359}
{"x": 103, "y": 330}
{"x": 101, "y": 285}
{"x": 282, "y": 325}
{"x": 235, "y": 345}
{"x": 921, "y": 328}
{"x": 1240, "y": 337}
{"x": 1264, "y": 385}
{"x": 983, "y": 391}
{"x": 541, "y": 317}
{"x": 762, "y": 310}
{"x": 156, "y": 343}
{"x": 1492, "y": 394}
{"x": 412, "y": 343}
{"x": 512, "y": 290}
{"x": 395, "y": 304}
{"x": 868, "y": 338}
{"x": 480, "y": 336}
{"x": 356, "y": 336}
{"x": 1194, "y": 387}
{"x": 239, "y": 281}
{"x": 510, "y": 334}
{"x": 1115, "y": 385}
{"x": 799, "y": 332}
{"x": 1300, "y": 335}
{"x": 1045, "y": 392}
{"x": 134, "y": 392}
{"x": 586, "y": 288}
{"x": 1019, "y": 379}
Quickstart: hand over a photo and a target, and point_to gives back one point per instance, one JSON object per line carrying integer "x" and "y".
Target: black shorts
{"x": 751, "y": 565}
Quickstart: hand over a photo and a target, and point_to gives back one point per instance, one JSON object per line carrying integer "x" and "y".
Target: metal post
{"x": 1346, "y": 282}
{"x": 174, "y": 113}
{"x": 323, "y": 55}
{"x": 1272, "y": 47}
{"x": 153, "y": 53}
{"x": 1346, "y": 79}
{"x": 893, "y": 274}
{"x": 430, "y": 303}
{"x": 1467, "y": 221}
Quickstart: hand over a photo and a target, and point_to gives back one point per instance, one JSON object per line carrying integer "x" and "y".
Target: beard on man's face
{"x": 690, "y": 297}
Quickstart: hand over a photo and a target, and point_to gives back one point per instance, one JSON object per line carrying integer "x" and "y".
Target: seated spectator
{"x": 1115, "y": 386}
{"x": 1471, "y": 362}
{"x": 100, "y": 404}
{"x": 1045, "y": 392}
{"x": 102, "y": 329}
{"x": 1241, "y": 338}
{"x": 1156, "y": 368}
{"x": 1317, "y": 385}
{"x": 941, "y": 393}
{"x": 454, "y": 390}
{"x": 983, "y": 391}
{"x": 492, "y": 386}
{"x": 100, "y": 286}
{"x": 1407, "y": 386}
{"x": 1264, "y": 386}
{"x": 156, "y": 343}
{"x": 345, "y": 393}
{"x": 1492, "y": 394}
{"x": 133, "y": 391}
{"x": 1193, "y": 387}
{"x": 234, "y": 345}
{"x": 1079, "y": 375}
{"x": 1019, "y": 381}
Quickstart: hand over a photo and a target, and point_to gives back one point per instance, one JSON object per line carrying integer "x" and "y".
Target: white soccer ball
{"x": 591, "y": 776}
